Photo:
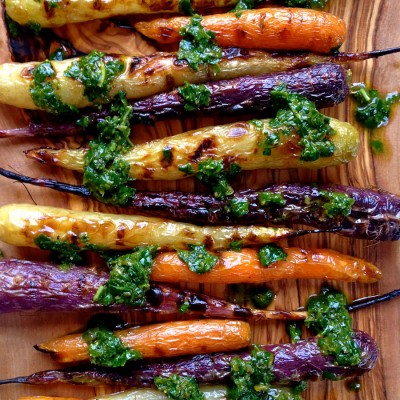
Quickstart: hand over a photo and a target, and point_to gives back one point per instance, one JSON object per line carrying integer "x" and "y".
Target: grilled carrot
{"x": 245, "y": 267}
{"x": 21, "y": 224}
{"x": 28, "y": 11}
{"x": 267, "y": 28}
{"x": 240, "y": 142}
{"x": 170, "y": 339}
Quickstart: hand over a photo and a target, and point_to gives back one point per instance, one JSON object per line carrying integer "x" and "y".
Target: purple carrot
{"x": 292, "y": 362}
{"x": 36, "y": 286}
{"x": 375, "y": 214}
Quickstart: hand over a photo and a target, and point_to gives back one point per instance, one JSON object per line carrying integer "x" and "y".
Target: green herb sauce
{"x": 166, "y": 154}
{"x": 373, "y": 109}
{"x": 198, "y": 258}
{"x": 106, "y": 174}
{"x": 336, "y": 203}
{"x": 236, "y": 245}
{"x": 58, "y": 55}
{"x": 294, "y": 331}
{"x": 212, "y": 173}
{"x": 197, "y": 46}
{"x": 95, "y": 74}
{"x": 43, "y": 92}
{"x": 106, "y": 349}
{"x": 317, "y": 4}
{"x": 239, "y": 207}
{"x": 179, "y": 388}
{"x": 186, "y": 169}
{"x": 354, "y": 385}
{"x": 271, "y": 137}
{"x": 129, "y": 279}
{"x": 270, "y": 199}
{"x": 328, "y": 316}
{"x": 295, "y": 112}
{"x": 262, "y": 298}
{"x": 53, "y": 3}
{"x": 185, "y": 7}
{"x": 33, "y": 27}
{"x": 271, "y": 253}
{"x": 194, "y": 96}
{"x": 61, "y": 251}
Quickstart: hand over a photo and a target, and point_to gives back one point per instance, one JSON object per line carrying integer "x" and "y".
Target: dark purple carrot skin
{"x": 324, "y": 84}
{"x": 292, "y": 362}
{"x": 375, "y": 214}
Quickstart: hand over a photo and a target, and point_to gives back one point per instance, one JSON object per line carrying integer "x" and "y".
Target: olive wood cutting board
{"x": 371, "y": 25}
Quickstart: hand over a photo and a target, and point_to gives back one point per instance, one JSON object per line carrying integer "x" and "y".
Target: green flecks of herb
{"x": 213, "y": 174}
{"x": 61, "y": 251}
{"x": 337, "y": 204}
{"x": 106, "y": 349}
{"x": 84, "y": 122}
{"x": 53, "y": 3}
{"x": 271, "y": 253}
{"x": 251, "y": 379}
{"x": 197, "y": 46}
{"x": 129, "y": 279}
{"x": 42, "y": 90}
{"x": 242, "y": 5}
{"x": 179, "y": 388}
{"x": 185, "y": 7}
{"x": 329, "y": 317}
{"x": 354, "y": 385}
{"x": 198, "y": 259}
{"x": 236, "y": 245}
{"x": 95, "y": 74}
{"x": 239, "y": 207}
{"x": 271, "y": 136}
{"x": 185, "y": 306}
{"x": 376, "y": 146}
{"x": 262, "y": 298}
{"x": 34, "y": 27}
{"x": 194, "y": 96}
{"x": 58, "y": 55}
{"x": 373, "y": 109}
{"x": 106, "y": 173}
{"x": 186, "y": 168}
{"x": 295, "y": 112}
{"x": 294, "y": 331}
{"x": 317, "y": 4}
{"x": 270, "y": 199}
{"x": 14, "y": 29}
{"x": 167, "y": 154}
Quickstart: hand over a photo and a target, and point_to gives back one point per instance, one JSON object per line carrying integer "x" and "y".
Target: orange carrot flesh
{"x": 245, "y": 267}
{"x": 171, "y": 339}
{"x": 267, "y": 28}
{"x": 47, "y": 398}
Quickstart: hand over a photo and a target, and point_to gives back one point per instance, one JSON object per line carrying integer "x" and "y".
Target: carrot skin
{"x": 267, "y": 28}
{"x": 245, "y": 267}
{"x": 172, "y": 339}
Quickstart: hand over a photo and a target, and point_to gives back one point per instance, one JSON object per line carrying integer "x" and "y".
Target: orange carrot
{"x": 47, "y": 398}
{"x": 267, "y": 28}
{"x": 245, "y": 267}
{"x": 169, "y": 339}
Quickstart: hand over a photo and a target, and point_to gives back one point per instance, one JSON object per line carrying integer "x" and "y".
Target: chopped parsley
{"x": 373, "y": 109}
{"x": 271, "y": 199}
{"x": 336, "y": 203}
{"x": 58, "y": 54}
{"x": 186, "y": 169}
{"x": 179, "y": 388}
{"x": 271, "y": 253}
{"x": 194, "y": 96}
{"x": 106, "y": 174}
{"x": 167, "y": 154}
{"x": 329, "y": 317}
{"x": 106, "y": 349}
{"x": 198, "y": 259}
{"x": 129, "y": 279}
{"x": 53, "y": 3}
{"x": 197, "y": 46}
{"x": 236, "y": 245}
{"x": 271, "y": 137}
{"x": 296, "y": 112}
{"x": 212, "y": 173}
{"x": 294, "y": 331}
{"x": 95, "y": 74}
{"x": 306, "y": 3}
{"x": 185, "y": 7}
{"x": 262, "y": 298}
{"x": 43, "y": 90}
{"x": 239, "y": 207}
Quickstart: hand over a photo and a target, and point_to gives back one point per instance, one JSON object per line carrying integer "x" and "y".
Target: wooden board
{"x": 372, "y": 25}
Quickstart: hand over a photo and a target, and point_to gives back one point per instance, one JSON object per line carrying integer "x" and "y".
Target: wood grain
{"x": 372, "y": 25}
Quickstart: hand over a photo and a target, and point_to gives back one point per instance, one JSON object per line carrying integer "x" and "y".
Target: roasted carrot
{"x": 47, "y": 398}
{"x": 267, "y": 28}
{"x": 244, "y": 266}
{"x": 21, "y": 224}
{"x": 169, "y": 339}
